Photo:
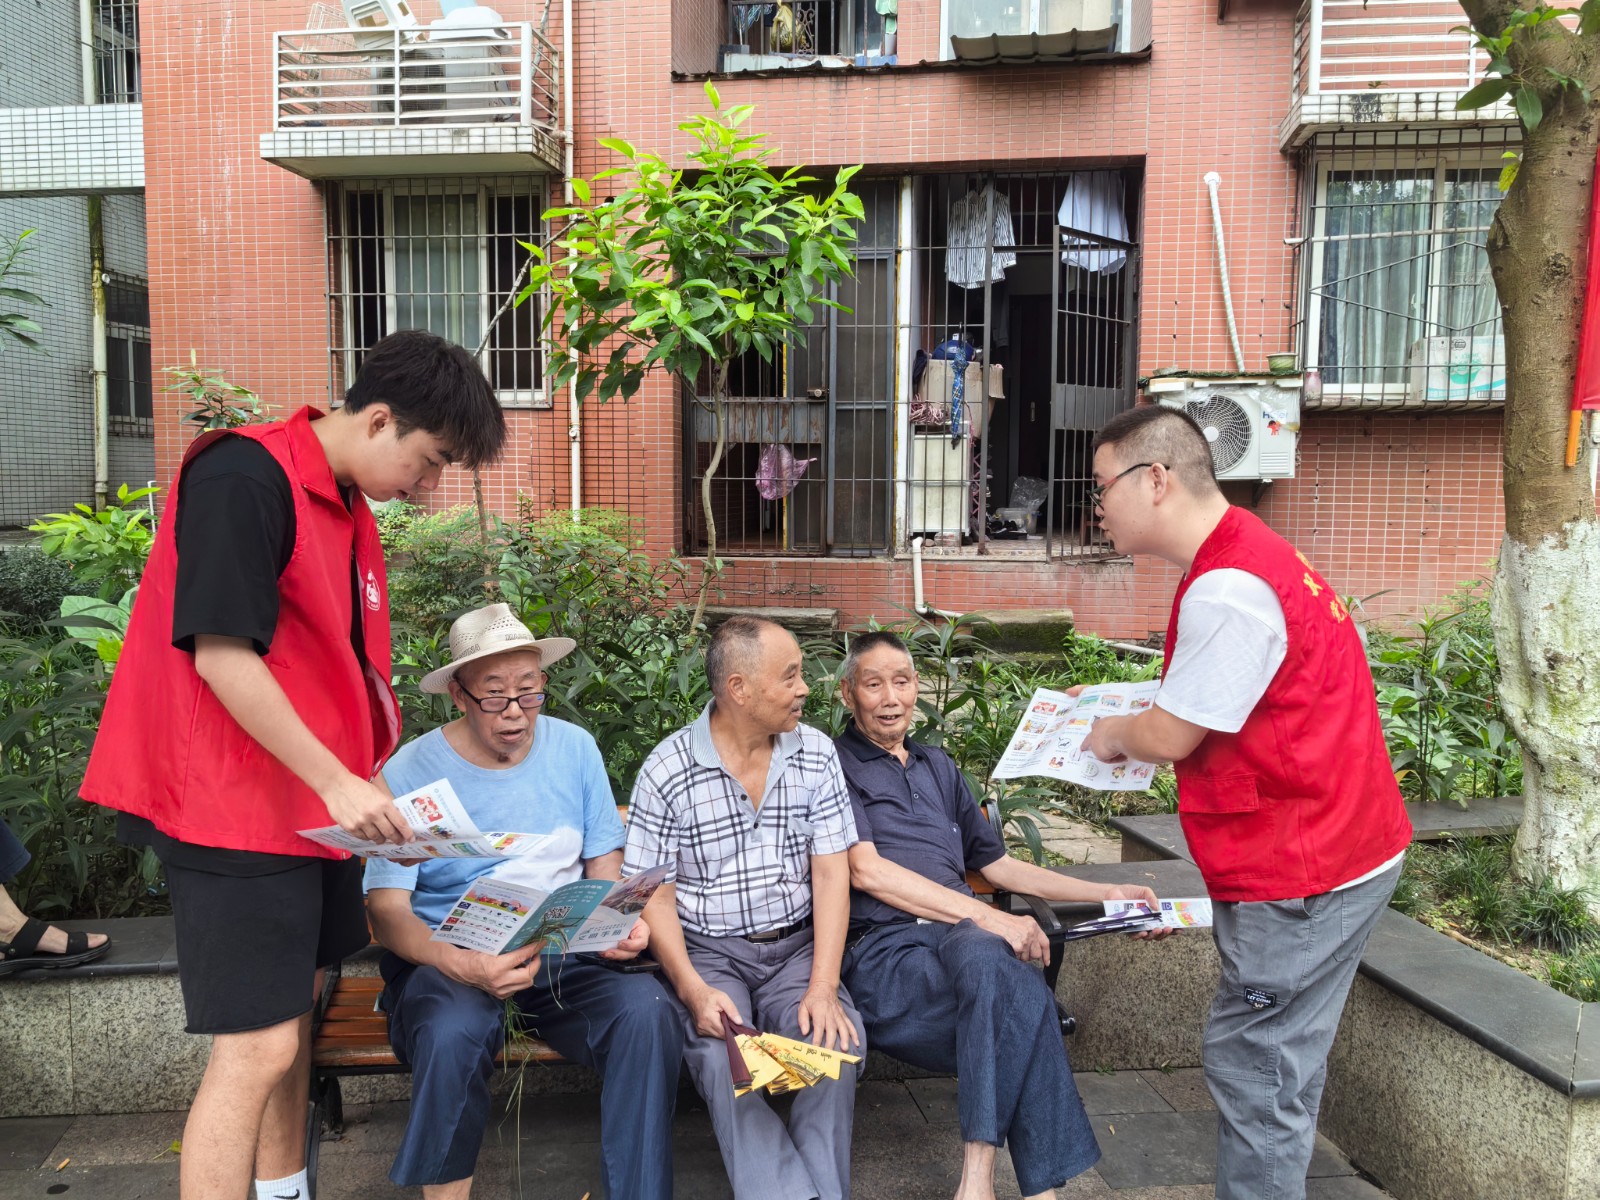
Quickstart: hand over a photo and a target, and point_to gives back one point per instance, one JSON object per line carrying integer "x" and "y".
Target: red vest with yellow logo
{"x": 1302, "y": 799}
{"x": 167, "y": 750}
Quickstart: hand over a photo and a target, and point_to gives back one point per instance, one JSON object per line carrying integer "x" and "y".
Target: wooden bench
{"x": 350, "y": 1034}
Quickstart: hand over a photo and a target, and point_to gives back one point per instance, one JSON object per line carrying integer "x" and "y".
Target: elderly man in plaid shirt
{"x": 750, "y": 809}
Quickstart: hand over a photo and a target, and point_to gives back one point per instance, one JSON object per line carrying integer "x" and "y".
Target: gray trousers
{"x": 1287, "y": 966}
{"x": 810, "y": 1158}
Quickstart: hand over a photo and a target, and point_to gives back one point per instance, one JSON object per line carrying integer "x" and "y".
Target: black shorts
{"x": 249, "y": 945}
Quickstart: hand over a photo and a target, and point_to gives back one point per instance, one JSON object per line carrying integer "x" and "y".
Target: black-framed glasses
{"x": 1097, "y": 492}
{"x": 498, "y": 704}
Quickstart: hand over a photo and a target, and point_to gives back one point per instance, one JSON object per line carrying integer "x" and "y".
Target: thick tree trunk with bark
{"x": 1547, "y": 588}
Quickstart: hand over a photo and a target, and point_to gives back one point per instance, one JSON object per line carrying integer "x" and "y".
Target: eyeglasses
{"x": 498, "y": 704}
{"x": 1097, "y": 492}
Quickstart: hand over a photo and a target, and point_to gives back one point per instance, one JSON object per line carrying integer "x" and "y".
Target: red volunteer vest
{"x": 167, "y": 750}
{"x": 1302, "y": 799}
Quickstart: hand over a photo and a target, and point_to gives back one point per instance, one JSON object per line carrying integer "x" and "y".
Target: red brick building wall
{"x": 1381, "y": 501}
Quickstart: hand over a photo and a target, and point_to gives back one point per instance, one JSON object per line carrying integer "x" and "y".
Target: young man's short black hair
{"x": 1170, "y": 436}
{"x": 436, "y": 386}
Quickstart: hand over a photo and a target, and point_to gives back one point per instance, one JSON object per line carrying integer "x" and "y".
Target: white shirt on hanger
{"x": 968, "y": 238}
{"x": 1093, "y": 204}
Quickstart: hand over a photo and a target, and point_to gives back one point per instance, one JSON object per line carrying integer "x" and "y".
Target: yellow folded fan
{"x": 777, "y": 1064}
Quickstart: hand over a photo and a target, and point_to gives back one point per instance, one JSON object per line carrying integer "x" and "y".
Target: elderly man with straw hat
{"x": 515, "y": 767}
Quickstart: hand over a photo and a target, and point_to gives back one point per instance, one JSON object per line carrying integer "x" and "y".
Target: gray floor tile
{"x": 1118, "y": 1092}
{"x": 1184, "y": 1088}
{"x": 27, "y": 1142}
{"x": 1178, "y": 1149}
{"x": 135, "y": 1138}
{"x": 144, "y": 1181}
{"x": 1342, "y": 1187}
{"x": 936, "y": 1098}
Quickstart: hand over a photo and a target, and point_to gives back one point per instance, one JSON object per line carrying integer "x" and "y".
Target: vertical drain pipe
{"x": 574, "y": 409}
{"x": 97, "y": 285}
{"x": 1213, "y": 182}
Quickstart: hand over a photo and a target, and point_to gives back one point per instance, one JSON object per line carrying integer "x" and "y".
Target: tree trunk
{"x": 719, "y": 405}
{"x": 1547, "y": 590}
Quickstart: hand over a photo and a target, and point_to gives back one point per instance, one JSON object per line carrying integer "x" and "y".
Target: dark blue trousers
{"x": 622, "y": 1026}
{"x": 952, "y": 998}
{"x": 13, "y": 854}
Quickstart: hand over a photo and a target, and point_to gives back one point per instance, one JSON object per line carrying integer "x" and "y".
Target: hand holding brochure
{"x": 496, "y": 915}
{"x": 1049, "y": 741}
{"x": 1135, "y": 916}
{"x": 441, "y": 826}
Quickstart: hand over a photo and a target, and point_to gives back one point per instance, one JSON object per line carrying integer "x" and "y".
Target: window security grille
{"x": 129, "y": 379}
{"x": 441, "y": 255}
{"x": 1399, "y": 309}
{"x": 116, "y": 50}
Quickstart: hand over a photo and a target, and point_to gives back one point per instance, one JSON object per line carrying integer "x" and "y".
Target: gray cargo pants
{"x": 1287, "y": 966}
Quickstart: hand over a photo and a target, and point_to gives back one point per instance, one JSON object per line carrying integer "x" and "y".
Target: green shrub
{"x": 437, "y": 564}
{"x": 107, "y": 548}
{"x": 32, "y": 585}
{"x": 1552, "y": 917}
{"x": 1578, "y": 976}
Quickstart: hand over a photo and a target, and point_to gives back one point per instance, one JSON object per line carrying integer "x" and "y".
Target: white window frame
{"x": 1438, "y": 160}
{"x": 1120, "y": 8}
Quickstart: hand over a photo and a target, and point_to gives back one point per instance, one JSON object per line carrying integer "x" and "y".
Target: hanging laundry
{"x": 1093, "y": 205}
{"x": 979, "y": 225}
{"x": 779, "y": 472}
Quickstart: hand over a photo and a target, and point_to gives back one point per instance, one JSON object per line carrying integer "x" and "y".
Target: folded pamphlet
{"x": 441, "y": 827}
{"x": 1049, "y": 739}
{"x": 1192, "y": 913}
{"x": 497, "y": 916}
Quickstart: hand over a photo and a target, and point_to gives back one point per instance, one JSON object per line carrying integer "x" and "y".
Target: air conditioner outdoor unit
{"x": 1252, "y": 431}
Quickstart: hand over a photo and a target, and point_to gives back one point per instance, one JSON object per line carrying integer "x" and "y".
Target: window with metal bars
{"x": 1399, "y": 306}
{"x": 442, "y": 255}
{"x": 984, "y": 342}
{"x": 116, "y": 50}
{"x": 129, "y": 380}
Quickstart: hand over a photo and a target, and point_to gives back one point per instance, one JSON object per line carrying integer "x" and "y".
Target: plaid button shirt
{"x": 739, "y": 869}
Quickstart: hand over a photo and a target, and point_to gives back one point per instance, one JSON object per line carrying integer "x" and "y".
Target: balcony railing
{"x": 1383, "y": 45}
{"x": 374, "y": 78}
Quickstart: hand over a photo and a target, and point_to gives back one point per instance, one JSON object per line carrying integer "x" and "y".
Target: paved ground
{"x": 1079, "y": 841}
{"x": 1156, "y": 1131}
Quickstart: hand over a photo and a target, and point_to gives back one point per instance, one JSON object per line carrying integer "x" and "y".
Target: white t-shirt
{"x": 1231, "y": 641}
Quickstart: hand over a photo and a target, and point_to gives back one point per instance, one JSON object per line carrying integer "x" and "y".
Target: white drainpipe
{"x": 100, "y": 396}
{"x": 1213, "y": 182}
{"x": 574, "y": 415}
{"x": 923, "y": 608}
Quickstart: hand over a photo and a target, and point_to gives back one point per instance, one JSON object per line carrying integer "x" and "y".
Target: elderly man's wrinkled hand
{"x": 1027, "y": 941}
{"x": 708, "y": 1004}
{"x": 629, "y": 947}
{"x": 501, "y": 975}
{"x": 824, "y": 1020}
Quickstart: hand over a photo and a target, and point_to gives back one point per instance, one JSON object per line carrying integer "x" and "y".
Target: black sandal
{"x": 22, "y": 952}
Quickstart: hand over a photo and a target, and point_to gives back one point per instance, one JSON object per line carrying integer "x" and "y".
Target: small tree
{"x": 17, "y": 326}
{"x": 1547, "y": 587}
{"x": 685, "y": 270}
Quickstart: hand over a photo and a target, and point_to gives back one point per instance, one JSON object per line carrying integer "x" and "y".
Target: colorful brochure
{"x": 1192, "y": 913}
{"x": 496, "y": 916}
{"x": 1049, "y": 739}
{"x": 442, "y": 829}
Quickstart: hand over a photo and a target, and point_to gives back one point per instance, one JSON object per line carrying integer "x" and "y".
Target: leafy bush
{"x": 1447, "y": 733}
{"x": 32, "y": 585}
{"x": 1577, "y": 976}
{"x": 437, "y": 562}
{"x": 106, "y": 548}
{"x": 51, "y": 697}
{"x": 1552, "y": 917}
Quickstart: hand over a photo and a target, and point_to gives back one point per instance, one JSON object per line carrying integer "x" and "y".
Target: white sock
{"x": 293, "y": 1187}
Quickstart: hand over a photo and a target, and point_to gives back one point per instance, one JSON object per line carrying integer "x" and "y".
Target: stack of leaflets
{"x": 441, "y": 827}
{"x": 1049, "y": 739}
{"x": 1136, "y": 916}
{"x": 497, "y": 916}
{"x": 774, "y": 1064}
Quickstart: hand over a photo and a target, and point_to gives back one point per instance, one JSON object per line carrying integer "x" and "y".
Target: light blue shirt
{"x": 559, "y": 792}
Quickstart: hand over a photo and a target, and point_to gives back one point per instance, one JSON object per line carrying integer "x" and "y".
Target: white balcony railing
{"x": 376, "y": 78}
{"x": 1383, "y": 45}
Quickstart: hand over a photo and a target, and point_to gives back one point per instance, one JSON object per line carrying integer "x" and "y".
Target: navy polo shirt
{"x": 921, "y": 816}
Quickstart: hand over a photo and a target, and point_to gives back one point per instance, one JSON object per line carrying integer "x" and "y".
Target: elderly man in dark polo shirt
{"x": 941, "y": 980}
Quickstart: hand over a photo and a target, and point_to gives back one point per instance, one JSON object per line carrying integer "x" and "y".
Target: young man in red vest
{"x": 252, "y": 700}
{"x": 1268, "y": 714}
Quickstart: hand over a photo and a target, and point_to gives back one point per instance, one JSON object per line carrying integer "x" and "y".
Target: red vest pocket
{"x": 1232, "y": 834}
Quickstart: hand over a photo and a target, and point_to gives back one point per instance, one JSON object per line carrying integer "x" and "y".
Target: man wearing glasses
{"x": 1268, "y": 714}
{"x": 515, "y": 768}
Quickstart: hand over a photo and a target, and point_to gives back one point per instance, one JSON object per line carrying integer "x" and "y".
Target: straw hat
{"x": 487, "y": 631}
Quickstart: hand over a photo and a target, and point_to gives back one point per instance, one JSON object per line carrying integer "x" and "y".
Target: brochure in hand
{"x": 496, "y": 915}
{"x": 441, "y": 826}
{"x": 1136, "y": 916}
{"x": 1049, "y": 739}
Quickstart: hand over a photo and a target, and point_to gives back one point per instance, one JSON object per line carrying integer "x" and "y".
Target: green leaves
{"x": 18, "y": 327}
{"x": 1529, "y": 107}
{"x": 1485, "y": 94}
{"x": 1515, "y": 72}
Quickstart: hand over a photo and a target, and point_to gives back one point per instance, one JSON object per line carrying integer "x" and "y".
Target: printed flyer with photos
{"x": 1049, "y": 739}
